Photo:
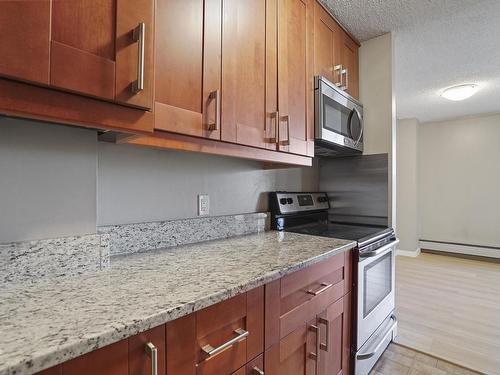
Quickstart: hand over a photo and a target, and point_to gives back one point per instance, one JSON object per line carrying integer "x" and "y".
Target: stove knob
{"x": 282, "y": 200}
{"x": 289, "y": 200}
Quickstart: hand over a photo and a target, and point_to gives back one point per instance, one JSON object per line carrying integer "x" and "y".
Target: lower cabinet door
{"x": 334, "y": 328}
{"x": 296, "y": 354}
{"x": 146, "y": 351}
{"x": 110, "y": 360}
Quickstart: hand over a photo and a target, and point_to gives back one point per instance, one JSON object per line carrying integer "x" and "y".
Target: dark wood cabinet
{"x": 109, "y": 360}
{"x": 96, "y": 46}
{"x": 335, "y": 52}
{"x": 326, "y": 45}
{"x": 244, "y": 73}
{"x": 349, "y": 60}
{"x": 188, "y": 67}
{"x": 141, "y": 350}
{"x": 24, "y": 45}
{"x": 295, "y": 354}
{"x": 295, "y": 76}
{"x": 218, "y": 340}
{"x": 334, "y": 325}
{"x": 89, "y": 47}
{"x": 309, "y": 330}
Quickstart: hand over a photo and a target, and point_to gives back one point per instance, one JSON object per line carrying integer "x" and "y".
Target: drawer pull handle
{"x": 152, "y": 351}
{"x": 257, "y": 371}
{"x": 211, "y": 351}
{"x": 324, "y": 287}
{"x": 139, "y": 37}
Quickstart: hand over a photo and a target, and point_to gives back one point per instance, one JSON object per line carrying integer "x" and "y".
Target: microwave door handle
{"x": 358, "y": 114}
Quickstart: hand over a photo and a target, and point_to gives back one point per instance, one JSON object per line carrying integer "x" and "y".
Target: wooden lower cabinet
{"x": 140, "y": 349}
{"x": 110, "y": 360}
{"x": 296, "y": 354}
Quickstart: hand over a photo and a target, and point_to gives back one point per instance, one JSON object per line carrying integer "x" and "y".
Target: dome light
{"x": 460, "y": 92}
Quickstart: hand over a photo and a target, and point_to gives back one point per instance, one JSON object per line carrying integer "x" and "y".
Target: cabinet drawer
{"x": 230, "y": 333}
{"x": 254, "y": 367}
{"x": 302, "y": 286}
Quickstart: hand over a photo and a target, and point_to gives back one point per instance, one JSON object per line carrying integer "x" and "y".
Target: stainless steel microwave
{"x": 338, "y": 120}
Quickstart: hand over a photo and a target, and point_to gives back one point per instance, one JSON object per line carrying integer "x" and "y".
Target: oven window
{"x": 377, "y": 282}
{"x": 336, "y": 117}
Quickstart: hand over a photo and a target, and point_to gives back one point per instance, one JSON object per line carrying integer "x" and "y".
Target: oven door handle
{"x": 379, "y": 251}
{"x": 384, "y": 337}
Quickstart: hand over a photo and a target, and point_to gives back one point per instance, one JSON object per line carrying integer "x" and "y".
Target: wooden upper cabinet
{"x": 327, "y": 39}
{"x": 295, "y": 76}
{"x": 335, "y": 52}
{"x": 188, "y": 67}
{"x": 98, "y": 48}
{"x": 244, "y": 72}
{"x": 349, "y": 61}
{"x": 24, "y": 41}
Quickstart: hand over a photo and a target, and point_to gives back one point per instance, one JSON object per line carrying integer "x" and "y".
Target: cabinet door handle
{"x": 211, "y": 351}
{"x": 215, "y": 95}
{"x": 152, "y": 351}
{"x": 275, "y": 116}
{"x": 287, "y": 141}
{"x": 257, "y": 371}
{"x": 324, "y": 287}
{"x": 313, "y": 355}
{"x": 339, "y": 69}
{"x": 139, "y": 36}
{"x": 346, "y": 72}
{"x": 326, "y": 322}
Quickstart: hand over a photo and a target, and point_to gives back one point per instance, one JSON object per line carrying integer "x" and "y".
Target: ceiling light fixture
{"x": 459, "y": 92}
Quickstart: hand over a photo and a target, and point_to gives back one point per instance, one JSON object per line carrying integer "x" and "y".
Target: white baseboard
{"x": 461, "y": 249}
{"x": 408, "y": 253}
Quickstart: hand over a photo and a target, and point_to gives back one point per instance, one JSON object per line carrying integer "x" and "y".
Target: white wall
{"x": 138, "y": 184}
{"x": 407, "y": 192}
{"x": 59, "y": 181}
{"x": 376, "y": 89}
{"x": 47, "y": 180}
{"x": 459, "y": 181}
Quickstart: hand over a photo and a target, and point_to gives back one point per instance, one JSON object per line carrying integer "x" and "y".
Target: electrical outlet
{"x": 203, "y": 204}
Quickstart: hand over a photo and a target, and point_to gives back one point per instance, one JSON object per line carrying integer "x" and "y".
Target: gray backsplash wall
{"x": 59, "y": 181}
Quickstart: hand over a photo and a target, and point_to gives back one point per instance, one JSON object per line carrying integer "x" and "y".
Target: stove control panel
{"x": 288, "y": 203}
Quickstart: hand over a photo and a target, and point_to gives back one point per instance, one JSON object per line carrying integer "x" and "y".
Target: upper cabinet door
{"x": 24, "y": 41}
{"x": 349, "y": 61}
{"x": 103, "y": 48}
{"x": 244, "y": 72}
{"x": 326, "y": 45}
{"x": 188, "y": 67}
{"x": 295, "y": 76}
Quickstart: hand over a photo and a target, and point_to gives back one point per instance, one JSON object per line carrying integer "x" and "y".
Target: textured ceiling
{"x": 438, "y": 43}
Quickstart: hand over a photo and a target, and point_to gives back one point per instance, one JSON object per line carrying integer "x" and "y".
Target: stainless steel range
{"x": 374, "y": 259}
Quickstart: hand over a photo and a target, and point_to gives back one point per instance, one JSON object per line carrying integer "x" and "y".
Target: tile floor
{"x": 400, "y": 360}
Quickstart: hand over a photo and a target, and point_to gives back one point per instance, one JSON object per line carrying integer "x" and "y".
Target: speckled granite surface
{"x": 49, "y": 322}
{"x": 132, "y": 238}
{"x": 31, "y": 261}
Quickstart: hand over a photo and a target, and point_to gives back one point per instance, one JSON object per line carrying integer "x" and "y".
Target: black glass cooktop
{"x": 352, "y": 232}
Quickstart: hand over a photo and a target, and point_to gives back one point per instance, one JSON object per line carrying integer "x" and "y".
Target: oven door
{"x": 376, "y": 271}
{"x": 339, "y": 117}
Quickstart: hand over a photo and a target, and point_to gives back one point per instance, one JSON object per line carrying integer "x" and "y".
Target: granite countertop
{"x": 49, "y": 322}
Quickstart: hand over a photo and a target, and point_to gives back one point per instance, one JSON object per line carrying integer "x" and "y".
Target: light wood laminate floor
{"x": 450, "y": 308}
{"x": 399, "y": 360}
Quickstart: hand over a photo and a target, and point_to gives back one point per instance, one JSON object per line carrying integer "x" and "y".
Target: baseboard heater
{"x": 460, "y": 248}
